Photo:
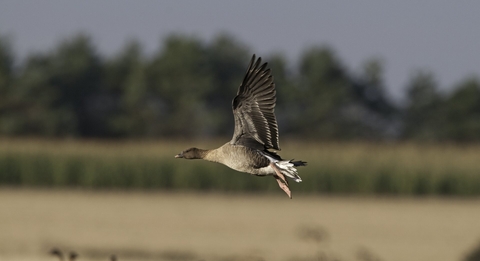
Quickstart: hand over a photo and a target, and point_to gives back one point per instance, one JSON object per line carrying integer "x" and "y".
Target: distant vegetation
{"x": 184, "y": 89}
{"x": 334, "y": 168}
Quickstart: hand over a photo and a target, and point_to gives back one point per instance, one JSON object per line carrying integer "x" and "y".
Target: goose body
{"x": 256, "y": 132}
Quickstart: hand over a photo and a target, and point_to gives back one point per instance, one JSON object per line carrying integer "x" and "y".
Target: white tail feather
{"x": 288, "y": 169}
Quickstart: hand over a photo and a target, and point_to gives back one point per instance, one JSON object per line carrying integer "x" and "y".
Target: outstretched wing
{"x": 253, "y": 109}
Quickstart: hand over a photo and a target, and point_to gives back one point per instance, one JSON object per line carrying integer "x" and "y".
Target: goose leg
{"x": 282, "y": 182}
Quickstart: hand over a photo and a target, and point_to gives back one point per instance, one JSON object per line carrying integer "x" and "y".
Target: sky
{"x": 439, "y": 36}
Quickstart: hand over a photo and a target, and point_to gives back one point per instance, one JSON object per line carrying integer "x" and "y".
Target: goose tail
{"x": 287, "y": 167}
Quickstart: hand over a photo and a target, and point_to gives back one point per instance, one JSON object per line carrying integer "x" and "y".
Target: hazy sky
{"x": 440, "y": 36}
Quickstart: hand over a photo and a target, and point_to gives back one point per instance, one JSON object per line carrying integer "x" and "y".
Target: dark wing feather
{"x": 253, "y": 109}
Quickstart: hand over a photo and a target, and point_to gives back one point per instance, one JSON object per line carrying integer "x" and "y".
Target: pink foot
{"x": 282, "y": 182}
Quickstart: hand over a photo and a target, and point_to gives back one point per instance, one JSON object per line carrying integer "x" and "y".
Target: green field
{"x": 334, "y": 168}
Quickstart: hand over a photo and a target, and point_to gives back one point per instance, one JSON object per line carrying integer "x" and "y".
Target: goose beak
{"x": 178, "y": 156}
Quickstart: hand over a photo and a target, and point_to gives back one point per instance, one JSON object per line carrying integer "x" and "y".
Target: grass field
{"x": 185, "y": 226}
{"x": 334, "y": 168}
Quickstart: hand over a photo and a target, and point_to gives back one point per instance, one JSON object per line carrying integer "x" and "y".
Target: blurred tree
{"x": 38, "y": 104}
{"x": 424, "y": 117}
{"x": 371, "y": 87}
{"x": 76, "y": 74}
{"x": 186, "y": 88}
{"x": 181, "y": 75}
{"x": 57, "y": 94}
{"x": 6, "y": 78}
{"x": 373, "y": 72}
{"x": 6, "y": 64}
{"x": 228, "y": 59}
{"x": 463, "y": 112}
{"x": 288, "y": 93}
{"x": 374, "y": 113}
{"x": 325, "y": 90}
{"x": 135, "y": 113}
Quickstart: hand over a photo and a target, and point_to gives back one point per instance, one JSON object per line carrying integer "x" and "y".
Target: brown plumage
{"x": 256, "y": 131}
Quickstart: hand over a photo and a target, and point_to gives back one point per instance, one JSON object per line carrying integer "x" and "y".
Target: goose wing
{"x": 253, "y": 109}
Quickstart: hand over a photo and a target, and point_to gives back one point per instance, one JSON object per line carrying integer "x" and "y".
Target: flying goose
{"x": 256, "y": 132}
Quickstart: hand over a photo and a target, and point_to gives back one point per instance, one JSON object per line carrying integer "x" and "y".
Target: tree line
{"x": 185, "y": 88}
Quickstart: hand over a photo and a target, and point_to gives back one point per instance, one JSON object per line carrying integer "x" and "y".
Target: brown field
{"x": 169, "y": 226}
